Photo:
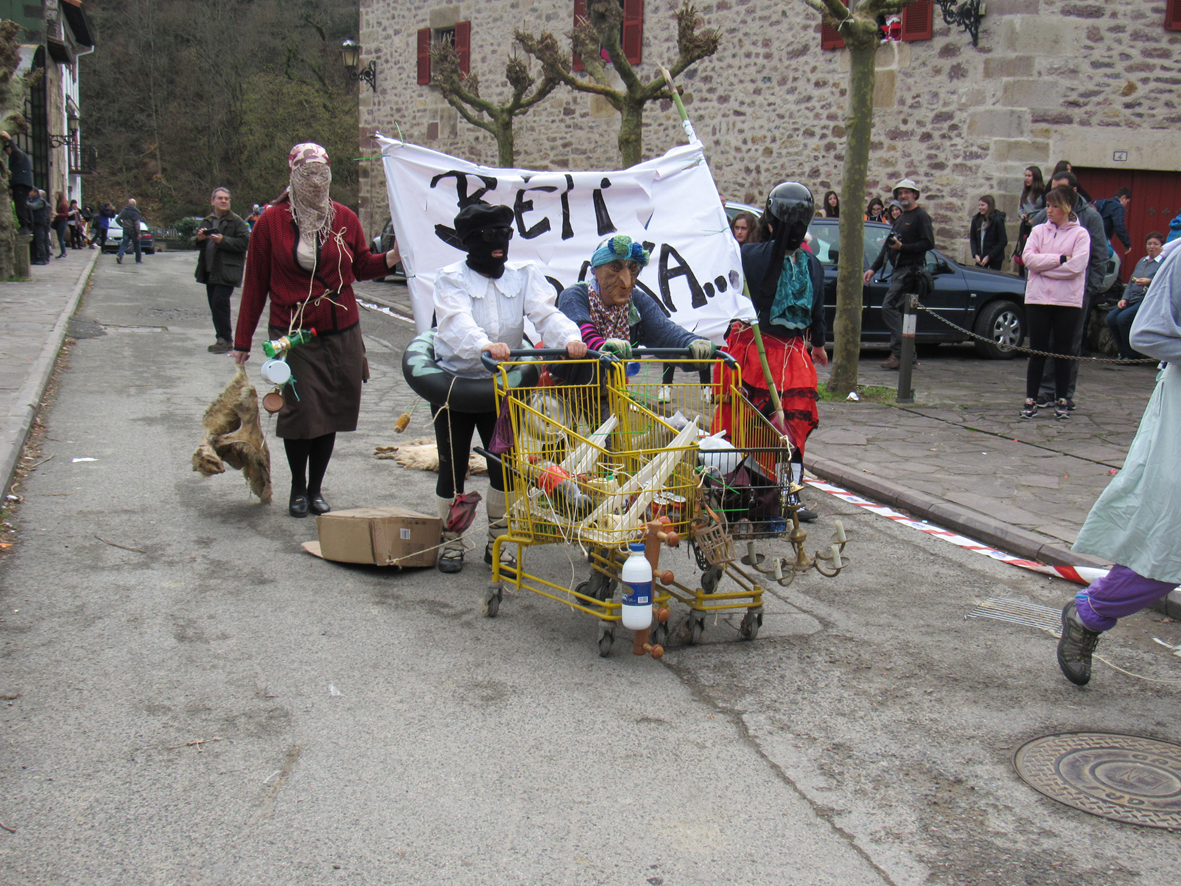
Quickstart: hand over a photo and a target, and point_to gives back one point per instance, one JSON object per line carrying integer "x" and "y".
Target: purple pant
{"x": 1121, "y": 592}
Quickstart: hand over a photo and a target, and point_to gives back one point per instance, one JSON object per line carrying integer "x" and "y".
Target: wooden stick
{"x": 122, "y": 547}
{"x": 7, "y": 828}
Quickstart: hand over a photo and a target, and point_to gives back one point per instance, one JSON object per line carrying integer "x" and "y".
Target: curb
{"x": 988, "y": 530}
{"x": 19, "y": 420}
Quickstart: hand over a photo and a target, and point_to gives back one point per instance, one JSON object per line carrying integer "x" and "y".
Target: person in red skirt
{"x": 786, "y": 285}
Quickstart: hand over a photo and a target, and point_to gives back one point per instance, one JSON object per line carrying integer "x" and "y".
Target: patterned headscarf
{"x": 619, "y": 247}
{"x": 311, "y": 179}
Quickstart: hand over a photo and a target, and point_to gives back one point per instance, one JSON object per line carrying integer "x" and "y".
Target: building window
{"x": 830, "y": 37}
{"x": 917, "y": 20}
{"x": 1173, "y": 15}
{"x": 459, "y": 36}
{"x": 631, "y": 34}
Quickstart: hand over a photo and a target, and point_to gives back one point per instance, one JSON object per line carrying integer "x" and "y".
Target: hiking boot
{"x": 1075, "y": 647}
{"x": 891, "y": 362}
{"x": 221, "y": 346}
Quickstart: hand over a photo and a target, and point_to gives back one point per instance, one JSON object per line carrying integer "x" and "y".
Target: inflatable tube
{"x": 437, "y": 386}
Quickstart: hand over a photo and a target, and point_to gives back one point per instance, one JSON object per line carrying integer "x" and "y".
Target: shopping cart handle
{"x": 672, "y": 355}
{"x": 490, "y": 363}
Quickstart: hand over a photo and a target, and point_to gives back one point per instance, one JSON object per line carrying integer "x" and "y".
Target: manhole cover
{"x": 1122, "y": 777}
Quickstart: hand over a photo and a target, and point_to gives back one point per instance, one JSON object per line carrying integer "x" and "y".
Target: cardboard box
{"x": 381, "y": 536}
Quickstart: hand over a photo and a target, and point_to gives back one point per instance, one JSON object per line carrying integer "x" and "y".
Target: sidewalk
{"x": 958, "y": 456}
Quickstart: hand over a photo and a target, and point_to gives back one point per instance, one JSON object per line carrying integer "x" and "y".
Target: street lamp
{"x": 350, "y": 51}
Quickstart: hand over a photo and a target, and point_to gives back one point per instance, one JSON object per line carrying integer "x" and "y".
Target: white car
{"x": 115, "y": 237}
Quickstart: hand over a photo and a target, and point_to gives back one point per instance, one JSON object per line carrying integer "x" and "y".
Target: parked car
{"x": 384, "y": 242}
{"x": 989, "y": 303}
{"x": 115, "y": 236}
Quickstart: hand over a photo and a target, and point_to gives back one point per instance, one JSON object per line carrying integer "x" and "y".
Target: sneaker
{"x": 804, "y": 513}
{"x": 1044, "y": 400}
{"x": 1075, "y": 647}
{"x": 1030, "y": 410}
{"x": 663, "y": 395}
{"x": 1062, "y": 409}
{"x": 221, "y": 346}
{"x": 118, "y": 259}
{"x": 891, "y": 362}
{"x": 1070, "y": 404}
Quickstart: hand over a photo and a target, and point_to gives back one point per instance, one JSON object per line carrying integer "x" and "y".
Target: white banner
{"x": 671, "y": 204}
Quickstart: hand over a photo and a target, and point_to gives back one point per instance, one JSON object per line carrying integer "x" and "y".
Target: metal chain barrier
{"x": 916, "y": 304}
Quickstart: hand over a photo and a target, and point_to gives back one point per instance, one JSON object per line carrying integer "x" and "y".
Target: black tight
{"x": 453, "y": 437}
{"x": 1051, "y": 328}
{"x": 308, "y": 460}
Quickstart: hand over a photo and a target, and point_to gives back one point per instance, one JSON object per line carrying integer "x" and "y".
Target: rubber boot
{"x": 496, "y": 506}
{"x": 797, "y": 478}
{"x": 451, "y": 553}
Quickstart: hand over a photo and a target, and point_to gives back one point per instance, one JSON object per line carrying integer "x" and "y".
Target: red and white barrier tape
{"x": 1081, "y": 574}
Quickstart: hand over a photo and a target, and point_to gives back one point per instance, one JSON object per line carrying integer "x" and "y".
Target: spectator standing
{"x": 222, "y": 239}
{"x": 1112, "y": 211}
{"x": 105, "y": 216}
{"x": 1056, "y": 256}
{"x": 77, "y": 227}
{"x": 61, "y": 221}
{"x": 129, "y": 220}
{"x": 832, "y": 205}
{"x": 1064, "y": 166}
{"x": 1096, "y": 267}
{"x": 1032, "y": 202}
{"x": 20, "y": 181}
{"x": 910, "y": 238}
{"x": 1119, "y": 318}
{"x": 745, "y": 227}
{"x": 88, "y": 218}
{"x": 1174, "y": 229}
{"x": 893, "y": 211}
{"x": 988, "y": 235}
{"x": 1134, "y": 523}
{"x": 253, "y": 217}
{"x": 875, "y": 210}
{"x": 41, "y": 214}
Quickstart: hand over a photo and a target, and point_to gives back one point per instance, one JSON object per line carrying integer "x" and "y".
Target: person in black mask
{"x": 786, "y": 284}
{"x": 480, "y": 305}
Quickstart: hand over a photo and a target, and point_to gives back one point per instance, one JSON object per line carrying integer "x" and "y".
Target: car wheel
{"x": 1003, "y": 324}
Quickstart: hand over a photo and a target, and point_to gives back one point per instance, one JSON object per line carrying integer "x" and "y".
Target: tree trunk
{"x": 504, "y": 141}
{"x": 858, "y": 131}
{"x": 631, "y": 133}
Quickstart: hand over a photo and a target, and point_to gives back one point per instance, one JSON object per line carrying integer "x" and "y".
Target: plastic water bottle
{"x": 637, "y": 589}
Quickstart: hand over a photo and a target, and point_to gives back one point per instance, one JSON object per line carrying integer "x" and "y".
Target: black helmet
{"x": 791, "y": 208}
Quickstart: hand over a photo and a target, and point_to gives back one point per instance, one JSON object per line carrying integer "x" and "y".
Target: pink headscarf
{"x": 308, "y": 152}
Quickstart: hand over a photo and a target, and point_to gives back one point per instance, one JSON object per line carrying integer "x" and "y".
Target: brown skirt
{"x": 325, "y": 394}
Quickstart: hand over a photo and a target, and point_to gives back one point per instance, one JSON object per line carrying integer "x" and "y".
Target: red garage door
{"x": 1156, "y": 200}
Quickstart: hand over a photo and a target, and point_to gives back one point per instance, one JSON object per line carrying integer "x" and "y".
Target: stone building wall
{"x": 1050, "y": 79}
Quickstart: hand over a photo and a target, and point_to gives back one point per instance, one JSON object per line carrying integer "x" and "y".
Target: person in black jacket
{"x": 20, "y": 181}
{"x": 222, "y": 238}
{"x": 988, "y": 235}
{"x": 912, "y": 236}
{"x": 41, "y": 211}
{"x": 786, "y": 285}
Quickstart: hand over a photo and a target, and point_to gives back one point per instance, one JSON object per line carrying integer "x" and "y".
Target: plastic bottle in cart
{"x": 637, "y": 589}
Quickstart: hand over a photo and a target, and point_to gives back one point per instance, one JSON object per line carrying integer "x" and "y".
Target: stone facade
{"x": 1050, "y": 79}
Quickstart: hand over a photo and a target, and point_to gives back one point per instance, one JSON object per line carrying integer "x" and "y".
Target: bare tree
{"x": 463, "y": 93}
{"x": 858, "y": 27}
{"x": 601, "y": 30}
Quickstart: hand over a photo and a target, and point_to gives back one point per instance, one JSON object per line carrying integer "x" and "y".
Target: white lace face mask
{"x": 310, "y": 203}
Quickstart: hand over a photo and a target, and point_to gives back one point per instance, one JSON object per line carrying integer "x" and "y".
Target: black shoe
{"x": 318, "y": 505}
{"x": 508, "y": 563}
{"x": 221, "y": 346}
{"x": 1062, "y": 409}
{"x": 1044, "y": 400}
{"x": 804, "y": 514}
{"x": 299, "y": 505}
{"x": 1030, "y": 410}
{"x": 450, "y": 557}
{"x": 1075, "y": 646}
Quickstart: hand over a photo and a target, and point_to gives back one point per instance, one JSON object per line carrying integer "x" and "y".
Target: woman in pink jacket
{"x": 1056, "y": 255}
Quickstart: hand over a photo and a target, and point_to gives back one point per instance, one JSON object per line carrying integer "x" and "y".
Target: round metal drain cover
{"x": 1122, "y": 777}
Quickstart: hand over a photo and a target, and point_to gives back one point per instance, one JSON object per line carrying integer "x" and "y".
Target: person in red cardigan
{"x": 304, "y": 255}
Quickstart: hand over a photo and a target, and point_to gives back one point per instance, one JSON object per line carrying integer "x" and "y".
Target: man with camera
{"x": 907, "y": 245}
{"x": 222, "y": 238}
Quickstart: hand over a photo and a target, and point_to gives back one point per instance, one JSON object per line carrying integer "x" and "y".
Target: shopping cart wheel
{"x": 694, "y": 628}
{"x": 606, "y": 638}
{"x": 751, "y": 622}
{"x": 710, "y": 579}
{"x": 600, "y": 587}
{"x": 491, "y": 604}
{"x": 658, "y": 633}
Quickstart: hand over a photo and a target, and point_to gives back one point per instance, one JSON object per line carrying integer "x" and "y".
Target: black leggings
{"x": 308, "y": 460}
{"x": 670, "y": 368}
{"x": 1051, "y": 328}
{"x": 453, "y": 437}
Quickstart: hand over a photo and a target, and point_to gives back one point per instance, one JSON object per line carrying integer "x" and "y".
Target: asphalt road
{"x": 369, "y": 726}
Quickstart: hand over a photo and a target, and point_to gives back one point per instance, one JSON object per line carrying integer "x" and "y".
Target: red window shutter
{"x": 424, "y": 56}
{"x": 1173, "y": 15}
{"x": 463, "y": 46}
{"x": 633, "y": 30}
{"x": 830, "y": 38}
{"x": 917, "y": 20}
{"x": 579, "y": 17}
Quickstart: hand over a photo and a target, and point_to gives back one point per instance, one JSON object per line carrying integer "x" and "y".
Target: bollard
{"x": 20, "y": 255}
{"x": 909, "y": 319}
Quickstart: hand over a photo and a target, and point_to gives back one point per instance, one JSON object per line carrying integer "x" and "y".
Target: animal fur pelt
{"x": 234, "y": 436}
{"x": 423, "y": 455}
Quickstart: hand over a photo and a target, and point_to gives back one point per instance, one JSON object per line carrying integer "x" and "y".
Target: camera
{"x": 893, "y": 238}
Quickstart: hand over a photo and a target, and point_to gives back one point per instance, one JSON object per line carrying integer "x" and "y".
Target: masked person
{"x": 786, "y": 285}
{"x": 480, "y": 305}
{"x": 304, "y": 255}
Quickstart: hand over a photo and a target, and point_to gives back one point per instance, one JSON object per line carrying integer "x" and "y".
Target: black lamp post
{"x": 350, "y": 51}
